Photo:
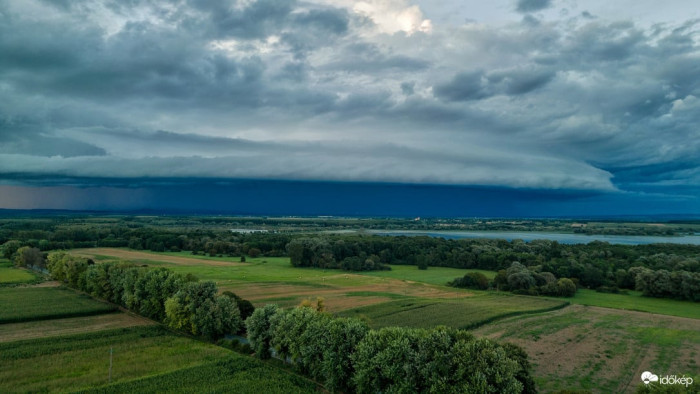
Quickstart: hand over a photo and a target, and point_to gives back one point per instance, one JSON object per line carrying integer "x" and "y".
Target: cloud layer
{"x": 554, "y": 97}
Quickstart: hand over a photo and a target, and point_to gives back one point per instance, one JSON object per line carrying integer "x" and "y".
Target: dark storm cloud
{"x": 532, "y": 5}
{"x": 308, "y": 90}
{"x": 478, "y": 85}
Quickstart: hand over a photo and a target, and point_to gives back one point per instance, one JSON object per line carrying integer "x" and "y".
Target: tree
{"x": 245, "y": 307}
{"x": 9, "y": 248}
{"x": 566, "y": 287}
{"x": 29, "y": 257}
{"x": 259, "y": 329}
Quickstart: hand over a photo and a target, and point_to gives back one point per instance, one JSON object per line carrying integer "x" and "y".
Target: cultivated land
{"x": 73, "y": 325}
{"x": 46, "y": 353}
{"x": 600, "y": 349}
{"x": 571, "y": 347}
{"x": 22, "y": 304}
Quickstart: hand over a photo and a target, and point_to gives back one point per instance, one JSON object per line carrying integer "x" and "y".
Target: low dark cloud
{"x": 319, "y": 90}
{"x": 524, "y": 6}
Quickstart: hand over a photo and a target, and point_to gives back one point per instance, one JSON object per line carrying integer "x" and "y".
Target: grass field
{"x": 73, "y": 325}
{"x": 634, "y": 301}
{"x": 39, "y": 303}
{"x": 600, "y": 349}
{"x": 234, "y": 374}
{"x": 467, "y": 313}
{"x": 81, "y": 361}
{"x": 11, "y": 275}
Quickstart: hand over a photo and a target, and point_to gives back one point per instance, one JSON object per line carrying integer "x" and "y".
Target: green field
{"x": 433, "y": 275}
{"x": 11, "y": 275}
{"x": 79, "y": 362}
{"x": 466, "y": 313}
{"x": 39, "y": 303}
{"x": 634, "y": 301}
{"x": 236, "y": 374}
{"x": 600, "y": 349}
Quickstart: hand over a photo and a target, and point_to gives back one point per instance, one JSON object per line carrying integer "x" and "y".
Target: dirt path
{"x": 134, "y": 255}
{"x": 75, "y": 325}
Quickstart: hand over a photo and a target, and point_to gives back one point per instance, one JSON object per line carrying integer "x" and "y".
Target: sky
{"x": 377, "y": 107}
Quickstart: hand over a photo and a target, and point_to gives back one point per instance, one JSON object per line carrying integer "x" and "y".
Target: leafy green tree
{"x": 245, "y": 307}
{"x": 9, "y": 248}
{"x": 566, "y": 287}
{"x": 216, "y": 317}
{"x": 259, "y": 329}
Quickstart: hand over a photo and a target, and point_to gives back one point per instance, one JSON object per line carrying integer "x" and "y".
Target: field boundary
{"x": 513, "y": 314}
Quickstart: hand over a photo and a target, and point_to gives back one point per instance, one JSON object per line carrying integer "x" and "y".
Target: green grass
{"x": 433, "y": 275}
{"x": 636, "y": 302}
{"x": 11, "y": 275}
{"x": 464, "y": 313}
{"x": 78, "y": 362}
{"x": 236, "y": 374}
{"x": 19, "y": 304}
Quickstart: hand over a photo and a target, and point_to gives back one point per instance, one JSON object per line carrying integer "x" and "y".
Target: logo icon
{"x": 648, "y": 377}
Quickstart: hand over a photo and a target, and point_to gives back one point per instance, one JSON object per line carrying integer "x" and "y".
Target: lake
{"x": 559, "y": 237}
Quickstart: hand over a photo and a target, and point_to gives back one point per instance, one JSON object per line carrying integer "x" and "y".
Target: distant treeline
{"x": 597, "y": 265}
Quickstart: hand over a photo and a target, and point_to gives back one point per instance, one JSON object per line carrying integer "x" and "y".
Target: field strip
{"x": 135, "y": 255}
{"x": 73, "y": 325}
{"x": 581, "y": 344}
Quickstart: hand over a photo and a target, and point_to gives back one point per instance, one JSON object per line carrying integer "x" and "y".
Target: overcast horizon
{"x": 386, "y": 107}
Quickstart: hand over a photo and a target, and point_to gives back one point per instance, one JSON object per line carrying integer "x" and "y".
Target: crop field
{"x": 39, "y": 303}
{"x": 11, "y": 275}
{"x": 576, "y": 347}
{"x": 72, "y": 325}
{"x": 77, "y": 362}
{"x": 45, "y": 353}
{"x": 600, "y": 349}
{"x": 237, "y": 374}
{"x": 465, "y": 313}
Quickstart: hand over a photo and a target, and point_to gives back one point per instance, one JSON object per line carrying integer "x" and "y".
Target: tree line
{"x": 180, "y": 301}
{"x": 520, "y": 280}
{"x": 597, "y": 265}
{"x": 346, "y": 356}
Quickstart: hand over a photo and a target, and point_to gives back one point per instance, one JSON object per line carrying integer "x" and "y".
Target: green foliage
{"x": 38, "y": 303}
{"x": 259, "y": 329}
{"x": 472, "y": 280}
{"x": 245, "y": 307}
{"x": 9, "y": 249}
{"x": 394, "y": 360}
{"x": 682, "y": 285}
{"x": 29, "y": 257}
{"x": 197, "y": 309}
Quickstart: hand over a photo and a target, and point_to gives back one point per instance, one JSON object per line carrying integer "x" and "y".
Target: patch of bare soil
{"x": 599, "y": 350}
{"x": 341, "y": 298}
{"x": 134, "y": 255}
{"x": 74, "y": 325}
